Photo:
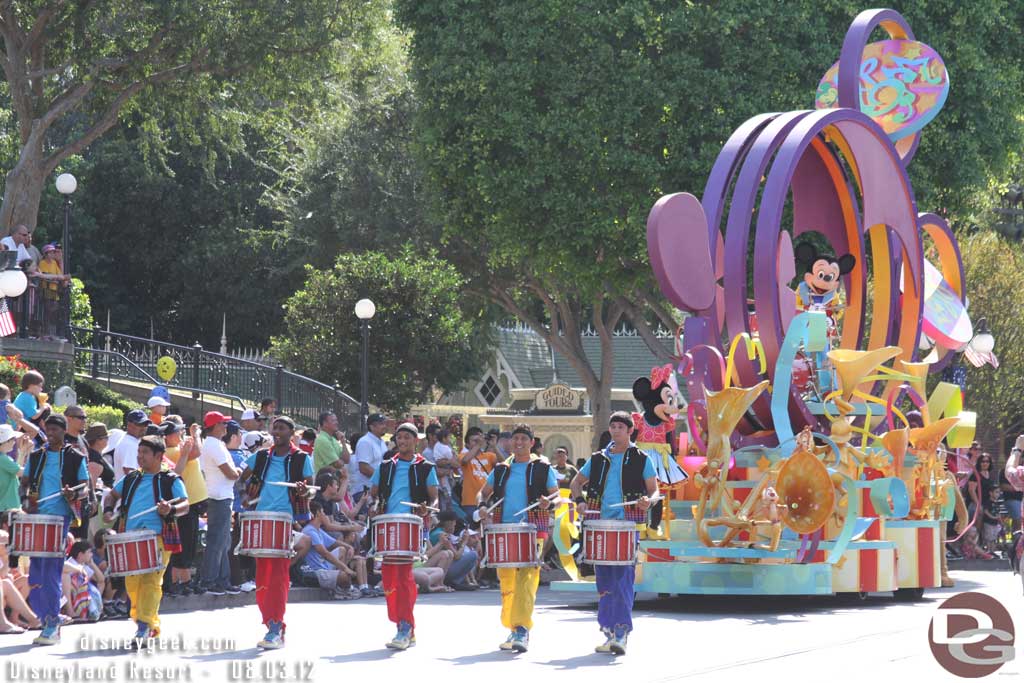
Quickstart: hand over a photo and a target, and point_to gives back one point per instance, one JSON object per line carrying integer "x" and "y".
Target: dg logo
{"x": 971, "y": 635}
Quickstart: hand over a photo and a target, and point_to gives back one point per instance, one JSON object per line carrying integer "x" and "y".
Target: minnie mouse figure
{"x": 819, "y": 291}
{"x": 654, "y": 431}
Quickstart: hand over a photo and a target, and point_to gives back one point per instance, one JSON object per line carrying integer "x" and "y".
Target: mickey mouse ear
{"x": 680, "y": 252}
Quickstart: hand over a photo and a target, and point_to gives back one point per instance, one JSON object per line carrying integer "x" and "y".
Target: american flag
{"x": 7, "y": 326}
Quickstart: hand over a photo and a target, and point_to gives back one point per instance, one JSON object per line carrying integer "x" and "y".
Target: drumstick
{"x": 61, "y": 493}
{"x": 415, "y": 505}
{"x": 491, "y": 509}
{"x": 551, "y": 499}
{"x": 292, "y": 486}
{"x": 653, "y": 500}
{"x": 173, "y": 502}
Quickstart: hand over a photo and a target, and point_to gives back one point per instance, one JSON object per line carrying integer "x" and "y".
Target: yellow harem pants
{"x": 146, "y": 590}
{"x": 518, "y": 593}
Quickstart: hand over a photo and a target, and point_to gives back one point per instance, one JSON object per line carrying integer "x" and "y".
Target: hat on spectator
{"x": 95, "y": 432}
{"x": 57, "y": 420}
{"x": 136, "y": 417}
{"x": 250, "y": 414}
{"x": 214, "y": 418}
{"x": 49, "y": 247}
{"x": 155, "y": 401}
{"x": 7, "y": 433}
{"x": 287, "y": 420}
{"x": 168, "y": 427}
{"x": 233, "y": 427}
{"x": 375, "y": 418}
{"x": 253, "y": 440}
{"x": 410, "y": 428}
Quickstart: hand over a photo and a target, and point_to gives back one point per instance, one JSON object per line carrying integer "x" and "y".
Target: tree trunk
{"x": 600, "y": 408}
{"x": 22, "y": 191}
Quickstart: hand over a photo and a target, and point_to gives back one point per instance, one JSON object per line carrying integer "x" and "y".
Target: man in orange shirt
{"x": 476, "y": 464}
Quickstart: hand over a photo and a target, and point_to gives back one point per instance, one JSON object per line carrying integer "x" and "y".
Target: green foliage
{"x": 419, "y": 338}
{"x": 994, "y": 269}
{"x": 94, "y": 393}
{"x": 81, "y": 306}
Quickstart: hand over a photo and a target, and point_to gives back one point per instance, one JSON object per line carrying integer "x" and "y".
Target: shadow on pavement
{"x": 368, "y": 656}
{"x": 591, "y": 660}
{"x": 492, "y": 656}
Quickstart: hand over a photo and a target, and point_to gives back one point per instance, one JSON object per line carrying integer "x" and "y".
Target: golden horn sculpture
{"x": 806, "y": 494}
{"x": 930, "y": 436}
{"x": 724, "y": 408}
{"x": 853, "y": 366}
{"x": 896, "y": 442}
{"x": 919, "y": 371}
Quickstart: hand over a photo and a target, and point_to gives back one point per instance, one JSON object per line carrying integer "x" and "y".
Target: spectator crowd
{"x": 211, "y": 456}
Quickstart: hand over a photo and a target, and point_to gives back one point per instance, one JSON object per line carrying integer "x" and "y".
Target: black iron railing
{"x": 103, "y": 354}
{"x": 43, "y": 311}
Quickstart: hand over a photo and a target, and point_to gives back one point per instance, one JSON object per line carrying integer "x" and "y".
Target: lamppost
{"x": 364, "y": 311}
{"x": 66, "y": 185}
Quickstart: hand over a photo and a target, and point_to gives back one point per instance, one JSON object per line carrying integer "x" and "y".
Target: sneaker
{"x": 507, "y": 645}
{"x": 605, "y": 648}
{"x": 354, "y": 593}
{"x": 403, "y": 639}
{"x": 274, "y": 640}
{"x": 521, "y": 642}
{"x": 248, "y": 587}
{"x": 142, "y": 633}
{"x": 50, "y": 635}
{"x": 618, "y": 643}
{"x": 233, "y": 590}
{"x": 367, "y": 592}
{"x": 214, "y": 591}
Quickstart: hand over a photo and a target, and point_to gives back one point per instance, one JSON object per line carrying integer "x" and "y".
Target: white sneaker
{"x": 248, "y": 587}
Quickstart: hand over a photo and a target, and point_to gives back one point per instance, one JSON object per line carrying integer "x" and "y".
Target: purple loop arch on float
{"x": 848, "y": 81}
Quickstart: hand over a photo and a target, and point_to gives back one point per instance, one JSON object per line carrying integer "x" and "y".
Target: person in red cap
{"x": 406, "y": 478}
{"x": 220, "y": 472}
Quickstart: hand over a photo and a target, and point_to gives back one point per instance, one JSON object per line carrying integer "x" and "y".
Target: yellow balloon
{"x": 166, "y": 368}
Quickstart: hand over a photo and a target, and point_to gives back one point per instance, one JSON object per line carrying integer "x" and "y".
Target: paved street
{"x": 684, "y": 638}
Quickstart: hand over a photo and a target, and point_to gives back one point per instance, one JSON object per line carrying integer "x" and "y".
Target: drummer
{"x": 53, "y": 469}
{"x": 282, "y": 463}
{"x": 407, "y": 477}
{"x": 520, "y": 481}
{"x": 620, "y": 473}
{"x": 139, "y": 492}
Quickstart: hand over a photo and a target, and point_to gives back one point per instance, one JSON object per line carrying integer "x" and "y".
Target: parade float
{"x": 818, "y": 299}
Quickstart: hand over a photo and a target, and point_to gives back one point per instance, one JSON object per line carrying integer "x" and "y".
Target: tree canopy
{"x": 419, "y": 338}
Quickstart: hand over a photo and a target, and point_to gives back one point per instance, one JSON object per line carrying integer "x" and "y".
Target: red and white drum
{"x": 37, "y": 535}
{"x": 397, "y": 536}
{"x": 609, "y": 541}
{"x": 265, "y": 534}
{"x": 511, "y": 545}
{"x": 133, "y": 552}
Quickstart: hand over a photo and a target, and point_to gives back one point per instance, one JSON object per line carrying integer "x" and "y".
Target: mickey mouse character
{"x": 819, "y": 290}
{"x": 654, "y": 429}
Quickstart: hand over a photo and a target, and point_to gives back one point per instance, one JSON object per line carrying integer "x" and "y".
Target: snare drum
{"x": 37, "y": 535}
{"x": 511, "y": 545}
{"x": 609, "y": 541}
{"x": 133, "y": 552}
{"x": 265, "y": 534}
{"x": 397, "y": 536}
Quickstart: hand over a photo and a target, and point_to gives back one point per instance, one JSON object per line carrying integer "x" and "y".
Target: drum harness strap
{"x": 419, "y": 472}
{"x": 536, "y": 482}
{"x": 293, "y": 467}
{"x": 632, "y": 476}
{"x": 68, "y": 477}
{"x": 163, "y": 489}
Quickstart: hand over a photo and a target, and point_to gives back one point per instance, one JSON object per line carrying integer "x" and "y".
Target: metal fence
{"x": 103, "y": 354}
{"x": 43, "y": 311}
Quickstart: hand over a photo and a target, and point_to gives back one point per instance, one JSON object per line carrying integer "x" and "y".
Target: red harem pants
{"x": 272, "y": 583}
{"x": 400, "y": 589}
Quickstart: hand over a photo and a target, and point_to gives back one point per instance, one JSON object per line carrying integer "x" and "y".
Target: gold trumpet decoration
{"x": 929, "y": 481}
{"x": 725, "y": 408}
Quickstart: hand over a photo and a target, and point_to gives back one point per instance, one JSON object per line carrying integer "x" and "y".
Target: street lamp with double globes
{"x": 983, "y": 341}
{"x": 66, "y": 185}
{"x": 364, "y": 311}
